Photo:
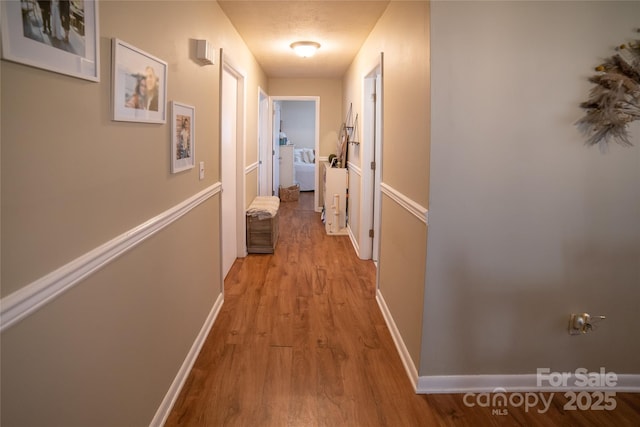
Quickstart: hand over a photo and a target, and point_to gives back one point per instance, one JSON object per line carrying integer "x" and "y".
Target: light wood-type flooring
{"x": 300, "y": 341}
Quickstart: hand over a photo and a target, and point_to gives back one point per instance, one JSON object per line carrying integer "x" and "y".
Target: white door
{"x": 369, "y": 237}
{"x": 276, "y": 147}
{"x": 229, "y": 144}
{"x": 377, "y": 173}
{"x": 264, "y": 177}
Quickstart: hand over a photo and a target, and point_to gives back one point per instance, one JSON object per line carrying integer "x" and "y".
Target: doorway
{"x": 372, "y": 162}
{"x": 232, "y": 231}
{"x": 286, "y": 122}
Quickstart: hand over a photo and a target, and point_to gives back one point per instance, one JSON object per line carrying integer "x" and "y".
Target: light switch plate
{"x": 201, "y": 171}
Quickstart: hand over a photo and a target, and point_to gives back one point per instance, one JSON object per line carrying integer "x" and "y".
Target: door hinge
{"x": 371, "y": 233}
{"x": 373, "y": 166}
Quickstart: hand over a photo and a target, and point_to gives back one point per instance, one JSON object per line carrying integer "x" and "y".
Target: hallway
{"x": 300, "y": 341}
{"x": 496, "y": 222}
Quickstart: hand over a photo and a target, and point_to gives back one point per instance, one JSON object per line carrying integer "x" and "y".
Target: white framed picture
{"x": 183, "y": 126}
{"x": 55, "y": 35}
{"x": 139, "y": 83}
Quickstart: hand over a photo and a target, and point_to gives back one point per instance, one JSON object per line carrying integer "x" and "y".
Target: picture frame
{"x": 64, "y": 39}
{"x": 183, "y": 126}
{"x": 139, "y": 85}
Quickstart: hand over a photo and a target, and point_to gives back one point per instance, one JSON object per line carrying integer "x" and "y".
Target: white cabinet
{"x": 335, "y": 182}
{"x": 286, "y": 166}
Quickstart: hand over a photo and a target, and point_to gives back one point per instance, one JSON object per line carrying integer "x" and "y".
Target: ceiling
{"x": 269, "y": 27}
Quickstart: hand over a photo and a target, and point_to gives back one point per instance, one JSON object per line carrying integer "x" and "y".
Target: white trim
{"x": 251, "y": 168}
{"x": 176, "y": 386}
{"x": 354, "y": 168}
{"x": 440, "y": 384}
{"x": 20, "y": 304}
{"x": 354, "y": 241}
{"x": 416, "y": 209}
{"x": 229, "y": 65}
{"x": 409, "y": 367}
{"x": 372, "y": 140}
{"x": 628, "y": 383}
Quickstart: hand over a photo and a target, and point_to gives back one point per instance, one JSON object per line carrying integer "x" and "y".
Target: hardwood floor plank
{"x": 303, "y": 406}
{"x": 276, "y": 389}
{"x": 330, "y": 389}
{"x": 300, "y": 341}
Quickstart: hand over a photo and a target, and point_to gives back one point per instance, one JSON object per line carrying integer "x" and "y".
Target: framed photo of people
{"x": 55, "y": 35}
{"x": 139, "y": 83}
{"x": 183, "y": 126}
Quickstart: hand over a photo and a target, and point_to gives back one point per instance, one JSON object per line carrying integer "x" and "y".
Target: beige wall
{"x": 298, "y": 122}
{"x": 251, "y": 184}
{"x": 77, "y": 178}
{"x": 254, "y": 78}
{"x": 330, "y": 93}
{"x": 402, "y": 34}
{"x": 401, "y": 272}
{"x": 106, "y": 351}
{"x": 527, "y": 224}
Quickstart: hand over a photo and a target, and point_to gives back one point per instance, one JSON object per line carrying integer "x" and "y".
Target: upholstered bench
{"x": 262, "y": 225}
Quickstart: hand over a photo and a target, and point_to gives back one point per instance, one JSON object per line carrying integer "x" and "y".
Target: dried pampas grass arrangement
{"x": 614, "y": 102}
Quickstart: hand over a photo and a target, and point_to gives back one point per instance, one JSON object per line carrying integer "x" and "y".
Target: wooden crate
{"x": 262, "y": 234}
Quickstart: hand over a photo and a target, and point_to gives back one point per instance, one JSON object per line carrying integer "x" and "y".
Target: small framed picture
{"x": 60, "y": 36}
{"x": 183, "y": 126}
{"x": 139, "y": 85}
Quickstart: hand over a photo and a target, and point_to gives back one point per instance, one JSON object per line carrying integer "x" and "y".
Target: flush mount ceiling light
{"x": 305, "y": 49}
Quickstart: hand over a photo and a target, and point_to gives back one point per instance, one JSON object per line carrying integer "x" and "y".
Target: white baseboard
{"x": 456, "y": 384}
{"x": 439, "y": 384}
{"x": 354, "y": 241}
{"x": 176, "y": 386}
{"x": 409, "y": 366}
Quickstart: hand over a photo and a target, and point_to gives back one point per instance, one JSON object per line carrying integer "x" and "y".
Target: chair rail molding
{"x": 27, "y": 300}
{"x": 414, "y": 208}
{"x": 251, "y": 167}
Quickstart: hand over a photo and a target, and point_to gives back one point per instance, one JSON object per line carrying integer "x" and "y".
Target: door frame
{"x": 275, "y": 146}
{"x": 372, "y": 82}
{"x": 228, "y": 64}
{"x": 265, "y": 176}
{"x": 316, "y": 99}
